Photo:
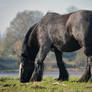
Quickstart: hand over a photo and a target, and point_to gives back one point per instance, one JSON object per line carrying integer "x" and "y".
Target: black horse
{"x": 58, "y": 33}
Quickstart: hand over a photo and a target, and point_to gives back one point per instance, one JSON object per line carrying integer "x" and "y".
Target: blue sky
{"x": 9, "y": 8}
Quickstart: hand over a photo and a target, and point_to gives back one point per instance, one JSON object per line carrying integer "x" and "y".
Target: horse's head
{"x": 26, "y": 67}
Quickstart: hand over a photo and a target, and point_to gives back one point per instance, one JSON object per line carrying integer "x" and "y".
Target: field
{"x": 49, "y": 84}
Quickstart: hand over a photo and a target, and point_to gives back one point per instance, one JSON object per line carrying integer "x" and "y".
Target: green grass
{"x": 48, "y": 84}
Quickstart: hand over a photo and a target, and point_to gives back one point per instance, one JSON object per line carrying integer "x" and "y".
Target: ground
{"x": 48, "y": 84}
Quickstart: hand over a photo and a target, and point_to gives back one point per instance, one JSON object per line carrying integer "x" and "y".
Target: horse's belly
{"x": 70, "y": 46}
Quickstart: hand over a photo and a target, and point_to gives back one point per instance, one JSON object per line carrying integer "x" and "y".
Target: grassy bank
{"x": 49, "y": 84}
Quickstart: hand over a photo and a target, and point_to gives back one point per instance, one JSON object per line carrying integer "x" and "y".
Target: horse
{"x": 57, "y": 33}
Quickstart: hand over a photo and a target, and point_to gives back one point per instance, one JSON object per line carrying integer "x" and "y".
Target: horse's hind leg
{"x": 88, "y": 71}
{"x": 63, "y": 74}
{"x": 87, "y": 74}
{"x": 38, "y": 72}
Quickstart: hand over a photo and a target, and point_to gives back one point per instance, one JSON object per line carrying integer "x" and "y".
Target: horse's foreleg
{"x": 38, "y": 72}
{"x": 87, "y": 73}
{"x": 63, "y": 74}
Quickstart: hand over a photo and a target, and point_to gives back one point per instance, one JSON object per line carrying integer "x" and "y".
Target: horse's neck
{"x": 33, "y": 46}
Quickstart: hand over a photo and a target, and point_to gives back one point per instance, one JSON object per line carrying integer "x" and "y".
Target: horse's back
{"x": 54, "y": 18}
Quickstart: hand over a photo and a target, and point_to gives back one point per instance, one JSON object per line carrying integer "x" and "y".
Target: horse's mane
{"x": 28, "y": 33}
{"x": 24, "y": 45}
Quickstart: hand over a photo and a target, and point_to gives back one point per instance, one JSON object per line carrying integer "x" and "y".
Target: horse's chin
{"x": 24, "y": 79}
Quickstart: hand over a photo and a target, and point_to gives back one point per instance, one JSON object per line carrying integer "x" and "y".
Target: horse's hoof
{"x": 76, "y": 81}
{"x": 82, "y": 80}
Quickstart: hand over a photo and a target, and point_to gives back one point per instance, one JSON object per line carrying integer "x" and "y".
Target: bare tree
{"x": 19, "y": 26}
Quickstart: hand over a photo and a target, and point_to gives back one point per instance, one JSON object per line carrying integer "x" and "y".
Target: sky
{"x": 9, "y": 8}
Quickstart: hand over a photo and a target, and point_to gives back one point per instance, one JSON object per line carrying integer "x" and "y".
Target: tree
{"x": 18, "y": 28}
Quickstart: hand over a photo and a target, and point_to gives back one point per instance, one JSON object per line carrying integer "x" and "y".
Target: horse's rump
{"x": 79, "y": 25}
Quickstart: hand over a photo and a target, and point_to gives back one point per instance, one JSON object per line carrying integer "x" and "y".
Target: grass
{"x": 48, "y": 84}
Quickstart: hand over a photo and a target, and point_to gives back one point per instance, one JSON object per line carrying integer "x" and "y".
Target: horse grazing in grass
{"x": 57, "y": 33}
